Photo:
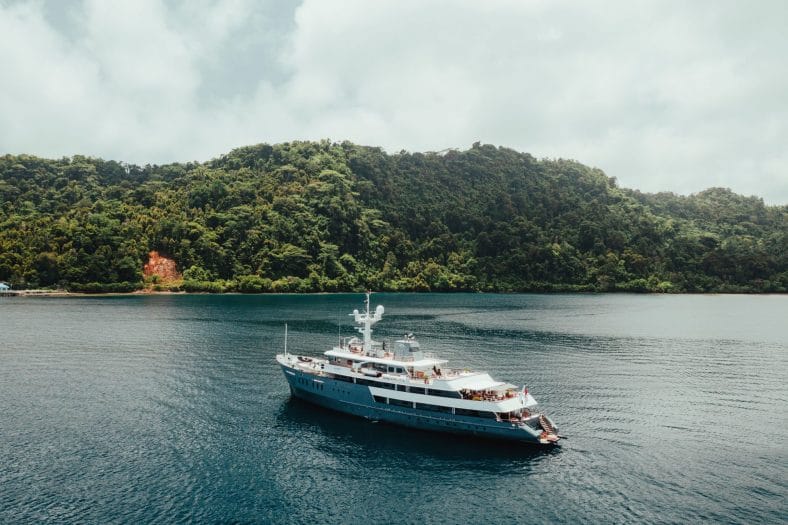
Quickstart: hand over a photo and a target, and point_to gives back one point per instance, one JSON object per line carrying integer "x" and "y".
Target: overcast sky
{"x": 665, "y": 96}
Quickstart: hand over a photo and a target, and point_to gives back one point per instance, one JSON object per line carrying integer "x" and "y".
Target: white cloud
{"x": 662, "y": 95}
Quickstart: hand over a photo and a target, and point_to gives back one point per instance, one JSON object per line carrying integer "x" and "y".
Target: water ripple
{"x": 170, "y": 410}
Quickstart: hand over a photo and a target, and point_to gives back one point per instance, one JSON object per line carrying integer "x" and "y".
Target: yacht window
{"x": 444, "y": 393}
{"x": 434, "y": 408}
{"x": 416, "y": 390}
{"x": 474, "y": 413}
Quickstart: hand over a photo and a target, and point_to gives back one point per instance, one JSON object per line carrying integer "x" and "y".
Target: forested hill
{"x": 309, "y": 216}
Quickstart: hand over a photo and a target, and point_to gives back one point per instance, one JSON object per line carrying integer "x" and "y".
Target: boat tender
{"x": 399, "y": 383}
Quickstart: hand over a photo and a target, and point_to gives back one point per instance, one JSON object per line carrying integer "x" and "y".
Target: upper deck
{"x": 415, "y": 373}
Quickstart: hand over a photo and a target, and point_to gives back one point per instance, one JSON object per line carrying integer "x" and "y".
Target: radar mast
{"x": 366, "y": 320}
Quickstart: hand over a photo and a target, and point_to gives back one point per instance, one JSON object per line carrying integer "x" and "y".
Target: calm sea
{"x": 171, "y": 409}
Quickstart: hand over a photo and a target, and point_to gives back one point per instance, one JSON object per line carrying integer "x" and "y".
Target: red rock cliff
{"x": 162, "y": 266}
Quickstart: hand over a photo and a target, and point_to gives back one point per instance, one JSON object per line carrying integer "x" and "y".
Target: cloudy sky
{"x": 664, "y": 95}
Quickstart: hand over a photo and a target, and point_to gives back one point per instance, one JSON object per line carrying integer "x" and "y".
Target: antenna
{"x": 285, "y": 339}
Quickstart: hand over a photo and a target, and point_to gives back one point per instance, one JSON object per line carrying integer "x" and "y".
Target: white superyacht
{"x": 405, "y": 386}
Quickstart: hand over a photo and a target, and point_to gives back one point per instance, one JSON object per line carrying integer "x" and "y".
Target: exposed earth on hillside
{"x": 163, "y": 267}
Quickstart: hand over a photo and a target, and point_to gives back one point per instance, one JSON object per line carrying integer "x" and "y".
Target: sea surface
{"x": 171, "y": 409}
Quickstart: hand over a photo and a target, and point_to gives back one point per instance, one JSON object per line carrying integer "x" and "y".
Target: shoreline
{"x": 66, "y": 293}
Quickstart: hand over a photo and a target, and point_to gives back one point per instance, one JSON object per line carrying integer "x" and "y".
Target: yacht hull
{"x": 357, "y": 400}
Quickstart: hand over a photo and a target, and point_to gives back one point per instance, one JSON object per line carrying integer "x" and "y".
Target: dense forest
{"x": 323, "y": 216}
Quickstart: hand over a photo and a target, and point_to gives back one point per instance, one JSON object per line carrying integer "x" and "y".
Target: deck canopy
{"x": 425, "y": 362}
{"x": 472, "y": 381}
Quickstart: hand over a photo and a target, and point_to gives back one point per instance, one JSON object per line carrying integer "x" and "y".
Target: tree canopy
{"x": 323, "y": 216}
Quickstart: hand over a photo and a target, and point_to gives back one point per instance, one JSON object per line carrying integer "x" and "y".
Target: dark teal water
{"x": 171, "y": 409}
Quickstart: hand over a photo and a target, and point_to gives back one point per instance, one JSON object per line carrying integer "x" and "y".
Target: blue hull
{"x": 357, "y": 400}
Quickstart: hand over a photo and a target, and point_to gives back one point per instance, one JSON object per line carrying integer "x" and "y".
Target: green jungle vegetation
{"x": 323, "y": 216}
